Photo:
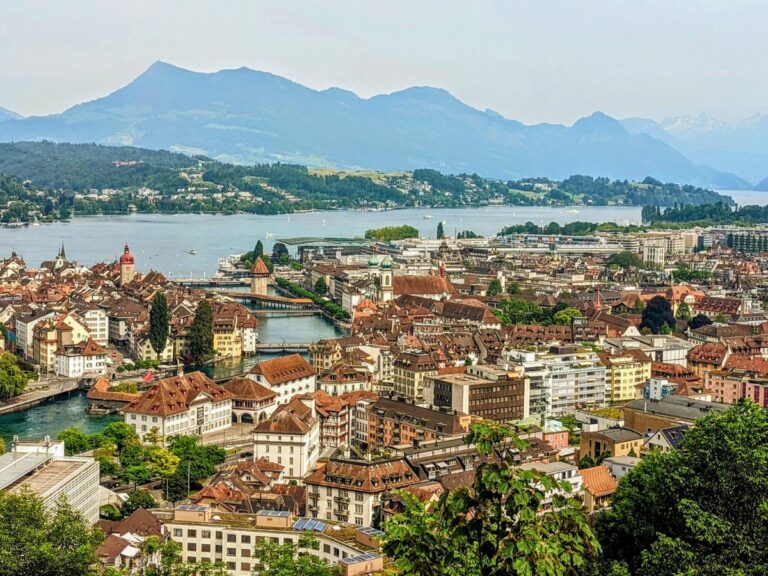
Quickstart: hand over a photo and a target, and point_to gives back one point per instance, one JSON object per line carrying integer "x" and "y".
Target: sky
{"x": 534, "y": 60}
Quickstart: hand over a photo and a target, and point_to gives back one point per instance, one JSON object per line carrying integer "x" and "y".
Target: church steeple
{"x": 62, "y": 254}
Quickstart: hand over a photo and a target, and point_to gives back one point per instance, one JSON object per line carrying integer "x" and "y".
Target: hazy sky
{"x": 534, "y": 60}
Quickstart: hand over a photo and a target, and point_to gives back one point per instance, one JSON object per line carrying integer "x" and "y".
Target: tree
{"x": 496, "y": 527}
{"x": 700, "y": 509}
{"x": 35, "y": 541}
{"x": 390, "y": 233}
{"x": 13, "y": 380}
{"x": 290, "y": 559}
{"x": 106, "y": 455}
{"x": 161, "y": 462}
{"x": 698, "y": 321}
{"x": 258, "y": 251}
{"x": 320, "y": 286}
{"x": 153, "y": 437}
{"x": 75, "y": 440}
{"x": 196, "y": 463}
{"x": 138, "y": 499}
{"x": 513, "y": 288}
{"x": 565, "y": 316}
{"x": 158, "y": 323}
{"x": 625, "y": 260}
{"x": 201, "y": 333}
{"x": 494, "y": 288}
{"x": 657, "y": 313}
{"x": 440, "y": 232}
{"x": 120, "y": 433}
{"x": 280, "y": 253}
{"x": 721, "y": 319}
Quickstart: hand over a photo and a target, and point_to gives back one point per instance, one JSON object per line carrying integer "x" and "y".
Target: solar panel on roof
{"x": 360, "y": 558}
{"x": 299, "y": 525}
{"x": 310, "y": 525}
{"x": 319, "y": 526}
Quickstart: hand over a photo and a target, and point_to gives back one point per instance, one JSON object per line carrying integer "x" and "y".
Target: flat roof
{"x": 318, "y": 241}
{"x": 16, "y": 465}
{"x": 50, "y": 476}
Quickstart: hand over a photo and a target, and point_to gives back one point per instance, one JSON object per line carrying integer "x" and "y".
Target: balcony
{"x": 341, "y": 498}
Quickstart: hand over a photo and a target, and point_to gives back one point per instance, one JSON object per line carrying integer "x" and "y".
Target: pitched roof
{"x": 259, "y": 268}
{"x": 101, "y": 391}
{"x": 284, "y": 369}
{"x": 435, "y": 285}
{"x": 246, "y": 389}
{"x": 598, "y": 481}
{"x": 175, "y": 394}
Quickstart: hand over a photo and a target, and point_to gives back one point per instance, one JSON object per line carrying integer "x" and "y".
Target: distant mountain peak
{"x": 599, "y": 122}
{"x": 6, "y": 114}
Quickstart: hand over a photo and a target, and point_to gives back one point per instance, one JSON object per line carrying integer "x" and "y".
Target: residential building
{"x": 561, "y": 472}
{"x": 88, "y": 360}
{"x": 410, "y": 371}
{"x": 659, "y": 348}
{"x": 610, "y": 442}
{"x": 350, "y": 490}
{"x": 392, "y": 422}
{"x": 489, "y": 392}
{"x": 290, "y": 437}
{"x": 188, "y": 404}
{"x": 667, "y": 439}
{"x": 619, "y": 466}
{"x": 207, "y": 535}
{"x": 626, "y": 373}
{"x": 342, "y": 379}
{"x": 599, "y": 486}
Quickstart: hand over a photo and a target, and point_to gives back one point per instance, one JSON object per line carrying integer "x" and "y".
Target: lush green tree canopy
{"x": 34, "y": 541}
{"x": 158, "y": 323}
{"x": 657, "y": 313}
{"x": 496, "y": 527}
{"x": 389, "y": 233}
{"x": 201, "y": 333}
{"x": 700, "y": 510}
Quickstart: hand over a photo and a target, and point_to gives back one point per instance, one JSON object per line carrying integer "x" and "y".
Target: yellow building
{"x": 411, "y": 369}
{"x": 625, "y": 374}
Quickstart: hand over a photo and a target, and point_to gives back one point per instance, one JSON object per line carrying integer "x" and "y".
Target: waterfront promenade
{"x": 53, "y": 389}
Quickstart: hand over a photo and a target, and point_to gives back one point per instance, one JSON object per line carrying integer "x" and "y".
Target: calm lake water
{"x": 161, "y": 242}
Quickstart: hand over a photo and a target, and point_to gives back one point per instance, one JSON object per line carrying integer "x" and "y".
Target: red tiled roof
{"x": 284, "y": 369}
{"x": 173, "y": 395}
{"x": 246, "y": 389}
{"x": 598, "y": 481}
{"x": 259, "y": 268}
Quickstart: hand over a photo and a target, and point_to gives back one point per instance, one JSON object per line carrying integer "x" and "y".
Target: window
{"x": 231, "y": 551}
{"x": 245, "y": 553}
{"x": 177, "y": 533}
{"x": 245, "y": 539}
{"x": 206, "y": 534}
{"x": 192, "y": 533}
{"x": 218, "y": 549}
{"x": 231, "y": 537}
{"x": 218, "y": 535}
{"x": 205, "y": 547}
{"x": 245, "y": 567}
{"x": 191, "y": 546}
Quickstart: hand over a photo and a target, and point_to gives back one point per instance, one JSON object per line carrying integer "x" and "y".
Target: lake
{"x": 160, "y": 241}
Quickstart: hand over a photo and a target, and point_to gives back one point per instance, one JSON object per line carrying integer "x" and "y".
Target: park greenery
{"x": 625, "y": 260}
{"x": 391, "y": 233}
{"x": 36, "y": 541}
{"x": 13, "y": 377}
{"x": 497, "y": 526}
{"x": 330, "y": 308}
{"x": 47, "y": 181}
{"x": 521, "y": 311}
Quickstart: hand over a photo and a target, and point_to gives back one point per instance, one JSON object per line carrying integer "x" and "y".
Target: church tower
{"x": 127, "y": 269}
{"x": 385, "y": 287}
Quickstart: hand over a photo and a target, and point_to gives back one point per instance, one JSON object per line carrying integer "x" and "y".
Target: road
{"x": 54, "y": 387}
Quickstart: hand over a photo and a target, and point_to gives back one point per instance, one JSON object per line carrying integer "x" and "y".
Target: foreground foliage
{"x": 701, "y": 510}
{"x": 498, "y": 526}
{"x": 34, "y": 541}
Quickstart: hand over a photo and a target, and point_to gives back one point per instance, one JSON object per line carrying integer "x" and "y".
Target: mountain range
{"x": 248, "y": 116}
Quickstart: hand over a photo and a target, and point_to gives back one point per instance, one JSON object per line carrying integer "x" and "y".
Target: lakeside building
{"x": 188, "y": 404}
{"x": 287, "y": 376}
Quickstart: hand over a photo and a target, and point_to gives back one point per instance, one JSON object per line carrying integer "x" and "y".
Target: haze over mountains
{"x": 248, "y": 116}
